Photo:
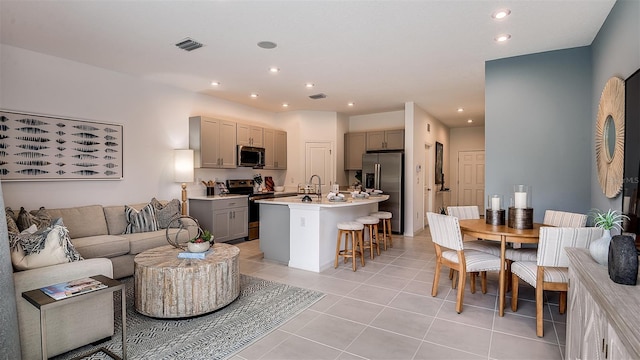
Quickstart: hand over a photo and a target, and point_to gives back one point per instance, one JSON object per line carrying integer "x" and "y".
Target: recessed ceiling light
{"x": 470, "y": 121}
{"x": 309, "y": 85}
{"x": 501, "y": 14}
{"x": 460, "y": 109}
{"x": 215, "y": 83}
{"x": 285, "y": 105}
{"x": 267, "y": 44}
{"x": 351, "y": 104}
{"x": 253, "y": 95}
{"x": 274, "y": 69}
{"x": 502, "y": 37}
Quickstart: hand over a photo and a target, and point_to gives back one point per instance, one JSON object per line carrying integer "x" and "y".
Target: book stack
{"x": 194, "y": 255}
{"x": 73, "y": 288}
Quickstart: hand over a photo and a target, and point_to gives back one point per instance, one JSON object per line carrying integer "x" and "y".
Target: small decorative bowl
{"x": 198, "y": 247}
{"x": 278, "y": 188}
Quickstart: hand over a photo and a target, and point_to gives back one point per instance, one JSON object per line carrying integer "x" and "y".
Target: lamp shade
{"x": 183, "y": 162}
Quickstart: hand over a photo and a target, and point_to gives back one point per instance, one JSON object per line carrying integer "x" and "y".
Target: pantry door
{"x": 471, "y": 179}
{"x": 319, "y": 161}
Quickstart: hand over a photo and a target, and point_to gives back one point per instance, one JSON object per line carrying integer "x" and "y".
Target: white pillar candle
{"x": 520, "y": 200}
{"x": 495, "y": 203}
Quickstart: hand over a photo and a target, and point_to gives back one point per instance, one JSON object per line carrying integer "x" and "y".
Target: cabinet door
{"x": 354, "y": 147}
{"x": 209, "y": 134}
{"x": 280, "y": 144}
{"x": 227, "y": 141}
{"x": 256, "y": 134}
{"x": 575, "y": 316}
{"x": 375, "y": 140}
{"x": 239, "y": 223}
{"x": 269, "y": 148}
{"x": 616, "y": 350}
{"x": 394, "y": 139}
{"x": 249, "y": 135}
{"x": 221, "y": 225}
{"x": 593, "y": 342}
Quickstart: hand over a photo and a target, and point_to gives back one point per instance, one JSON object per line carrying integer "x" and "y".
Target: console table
{"x": 603, "y": 317}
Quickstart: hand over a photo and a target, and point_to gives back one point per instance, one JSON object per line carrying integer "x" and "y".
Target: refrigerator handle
{"x": 378, "y": 173}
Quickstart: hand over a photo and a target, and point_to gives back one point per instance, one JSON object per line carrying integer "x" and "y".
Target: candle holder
{"x": 495, "y": 214}
{"x": 520, "y": 211}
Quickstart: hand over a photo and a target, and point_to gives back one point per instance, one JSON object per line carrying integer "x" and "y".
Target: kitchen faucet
{"x": 319, "y": 191}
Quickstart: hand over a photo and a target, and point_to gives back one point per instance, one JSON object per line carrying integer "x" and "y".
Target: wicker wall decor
{"x": 38, "y": 147}
{"x": 610, "y": 164}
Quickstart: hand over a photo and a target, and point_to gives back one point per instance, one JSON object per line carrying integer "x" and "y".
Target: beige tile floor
{"x": 385, "y": 311}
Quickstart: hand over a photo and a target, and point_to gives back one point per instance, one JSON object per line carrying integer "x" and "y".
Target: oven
{"x": 245, "y": 187}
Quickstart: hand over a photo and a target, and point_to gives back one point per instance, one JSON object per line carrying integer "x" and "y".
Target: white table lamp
{"x": 183, "y": 172}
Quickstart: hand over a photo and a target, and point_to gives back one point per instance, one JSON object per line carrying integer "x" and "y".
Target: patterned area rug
{"x": 262, "y": 306}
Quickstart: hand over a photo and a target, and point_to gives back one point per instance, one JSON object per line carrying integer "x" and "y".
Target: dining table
{"x": 478, "y": 228}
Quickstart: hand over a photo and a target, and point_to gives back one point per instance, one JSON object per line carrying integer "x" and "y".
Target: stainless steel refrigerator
{"x": 385, "y": 171}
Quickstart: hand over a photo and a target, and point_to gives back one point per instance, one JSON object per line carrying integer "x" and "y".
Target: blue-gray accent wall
{"x": 538, "y": 128}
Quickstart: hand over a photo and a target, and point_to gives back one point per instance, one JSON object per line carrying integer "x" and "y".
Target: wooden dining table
{"x": 478, "y": 228}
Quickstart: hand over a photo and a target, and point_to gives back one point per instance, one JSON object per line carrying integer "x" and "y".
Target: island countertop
{"x": 323, "y": 201}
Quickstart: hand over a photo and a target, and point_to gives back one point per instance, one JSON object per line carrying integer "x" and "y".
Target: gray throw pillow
{"x": 164, "y": 213}
{"x": 11, "y": 222}
{"x": 140, "y": 221}
{"x": 40, "y": 218}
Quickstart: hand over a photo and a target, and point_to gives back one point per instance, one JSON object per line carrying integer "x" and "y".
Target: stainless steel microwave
{"x": 250, "y": 156}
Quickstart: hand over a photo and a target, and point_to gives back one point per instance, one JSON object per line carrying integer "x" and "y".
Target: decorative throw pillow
{"x": 34, "y": 248}
{"x": 165, "y": 213}
{"x": 11, "y": 223}
{"x": 140, "y": 221}
{"x": 40, "y": 218}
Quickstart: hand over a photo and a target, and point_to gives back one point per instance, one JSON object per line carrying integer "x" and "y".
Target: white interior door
{"x": 471, "y": 179}
{"x": 318, "y": 161}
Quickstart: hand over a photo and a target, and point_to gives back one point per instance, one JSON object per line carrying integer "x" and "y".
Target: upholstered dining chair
{"x": 549, "y": 271}
{"x": 447, "y": 240}
{"x": 472, "y": 212}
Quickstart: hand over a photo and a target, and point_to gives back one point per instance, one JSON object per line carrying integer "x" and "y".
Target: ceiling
{"x": 377, "y": 54}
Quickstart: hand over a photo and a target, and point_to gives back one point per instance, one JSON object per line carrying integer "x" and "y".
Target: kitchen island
{"x": 303, "y": 235}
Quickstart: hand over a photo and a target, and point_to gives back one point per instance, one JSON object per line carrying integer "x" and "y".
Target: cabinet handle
{"x": 602, "y": 345}
{"x": 606, "y": 351}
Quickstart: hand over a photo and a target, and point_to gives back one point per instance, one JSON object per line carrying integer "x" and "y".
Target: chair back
{"x": 553, "y": 240}
{"x": 464, "y": 212}
{"x": 445, "y": 230}
{"x": 564, "y": 219}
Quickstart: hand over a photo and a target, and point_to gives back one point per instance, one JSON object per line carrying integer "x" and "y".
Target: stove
{"x": 245, "y": 187}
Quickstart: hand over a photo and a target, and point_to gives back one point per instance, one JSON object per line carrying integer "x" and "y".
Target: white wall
{"x": 462, "y": 139}
{"x": 155, "y": 119}
{"x": 378, "y": 121}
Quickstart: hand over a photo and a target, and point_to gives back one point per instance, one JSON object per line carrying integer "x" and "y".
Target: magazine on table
{"x": 73, "y": 288}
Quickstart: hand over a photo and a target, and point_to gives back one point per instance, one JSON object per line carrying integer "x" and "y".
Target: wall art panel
{"x": 40, "y": 147}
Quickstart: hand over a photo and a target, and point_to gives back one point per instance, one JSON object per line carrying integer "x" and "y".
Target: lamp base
{"x": 184, "y": 199}
{"x": 520, "y": 218}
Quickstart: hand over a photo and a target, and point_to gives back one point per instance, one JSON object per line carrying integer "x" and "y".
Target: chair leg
{"x": 473, "y": 282}
{"x": 514, "y": 292}
{"x": 450, "y": 274}
{"x": 460, "y": 297}
{"x": 539, "y": 307}
{"x": 563, "y": 302}
{"x": 436, "y": 278}
{"x": 508, "y": 273}
{"x": 454, "y": 281}
{"x": 484, "y": 281}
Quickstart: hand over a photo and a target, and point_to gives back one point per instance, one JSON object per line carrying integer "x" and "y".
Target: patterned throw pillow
{"x": 140, "y": 221}
{"x": 164, "y": 213}
{"x": 40, "y": 218}
{"x": 11, "y": 223}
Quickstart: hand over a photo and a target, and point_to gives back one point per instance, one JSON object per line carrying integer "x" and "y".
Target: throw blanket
{"x": 35, "y": 243}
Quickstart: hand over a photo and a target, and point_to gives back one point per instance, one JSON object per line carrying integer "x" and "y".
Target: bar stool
{"x": 352, "y": 231}
{"x": 385, "y": 217}
{"x": 370, "y": 223}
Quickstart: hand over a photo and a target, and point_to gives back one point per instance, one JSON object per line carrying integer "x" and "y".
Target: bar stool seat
{"x": 385, "y": 217}
{"x": 371, "y": 242}
{"x": 352, "y": 231}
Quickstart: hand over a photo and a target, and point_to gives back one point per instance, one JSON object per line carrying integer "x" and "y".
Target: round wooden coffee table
{"x": 168, "y": 287}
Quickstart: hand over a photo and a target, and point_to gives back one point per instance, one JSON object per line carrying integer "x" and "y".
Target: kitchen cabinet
{"x": 226, "y": 218}
{"x": 213, "y": 142}
{"x": 249, "y": 135}
{"x": 275, "y": 145}
{"x": 355, "y": 145}
{"x": 385, "y": 140}
{"x": 602, "y": 316}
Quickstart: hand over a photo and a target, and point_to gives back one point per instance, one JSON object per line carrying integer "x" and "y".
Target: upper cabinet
{"x": 250, "y": 135}
{"x": 275, "y": 145}
{"x": 354, "y": 147}
{"x": 385, "y": 140}
{"x": 214, "y": 142}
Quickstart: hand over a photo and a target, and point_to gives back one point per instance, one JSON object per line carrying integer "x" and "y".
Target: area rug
{"x": 261, "y": 307}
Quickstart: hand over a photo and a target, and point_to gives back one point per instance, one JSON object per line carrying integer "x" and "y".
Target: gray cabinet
{"x": 275, "y": 145}
{"x": 249, "y": 135}
{"x": 227, "y": 219}
{"x": 213, "y": 142}
{"x": 385, "y": 140}
{"x": 354, "y": 148}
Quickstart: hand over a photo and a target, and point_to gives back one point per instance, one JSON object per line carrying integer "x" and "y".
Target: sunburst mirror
{"x": 610, "y": 137}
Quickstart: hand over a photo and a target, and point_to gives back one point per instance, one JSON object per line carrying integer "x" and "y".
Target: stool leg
{"x": 361, "y": 242}
{"x": 353, "y": 250}
{"x": 375, "y": 226}
{"x": 388, "y": 223}
{"x": 384, "y": 234}
{"x": 335, "y": 264}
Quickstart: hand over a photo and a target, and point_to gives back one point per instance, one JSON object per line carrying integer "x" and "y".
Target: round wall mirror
{"x": 609, "y": 140}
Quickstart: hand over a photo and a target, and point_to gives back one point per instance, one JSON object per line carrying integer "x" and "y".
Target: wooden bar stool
{"x": 385, "y": 217}
{"x": 371, "y": 242}
{"x": 352, "y": 231}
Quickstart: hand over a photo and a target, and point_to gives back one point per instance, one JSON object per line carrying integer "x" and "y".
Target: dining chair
{"x": 472, "y": 212}
{"x": 549, "y": 270}
{"x": 449, "y": 247}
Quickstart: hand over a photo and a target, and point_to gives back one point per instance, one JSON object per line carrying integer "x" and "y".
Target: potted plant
{"x": 612, "y": 219}
{"x": 201, "y": 242}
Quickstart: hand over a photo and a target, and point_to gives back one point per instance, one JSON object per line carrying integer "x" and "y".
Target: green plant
{"x": 203, "y": 236}
{"x": 612, "y": 219}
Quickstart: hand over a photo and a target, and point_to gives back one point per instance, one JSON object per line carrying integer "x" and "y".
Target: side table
{"x": 44, "y": 302}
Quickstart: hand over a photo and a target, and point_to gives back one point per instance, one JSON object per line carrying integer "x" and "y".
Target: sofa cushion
{"x": 12, "y": 227}
{"x": 149, "y": 240}
{"x": 116, "y": 221}
{"x": 106, "y": 246}
{"x": 41, "y": 218}
{"x": 140, "y": 221}
{"x": 166, "y": 211}
{"x": 82, "y": 221}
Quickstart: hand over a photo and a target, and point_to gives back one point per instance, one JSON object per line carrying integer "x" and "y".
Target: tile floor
{"x": 385, "y": 311}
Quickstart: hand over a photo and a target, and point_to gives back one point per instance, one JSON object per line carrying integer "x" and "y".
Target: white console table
{"x": 603, "y": 320}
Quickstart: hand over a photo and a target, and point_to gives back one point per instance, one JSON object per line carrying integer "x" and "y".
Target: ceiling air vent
{"x": 189, "y": 44}
{"x": 318, "y": 96}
